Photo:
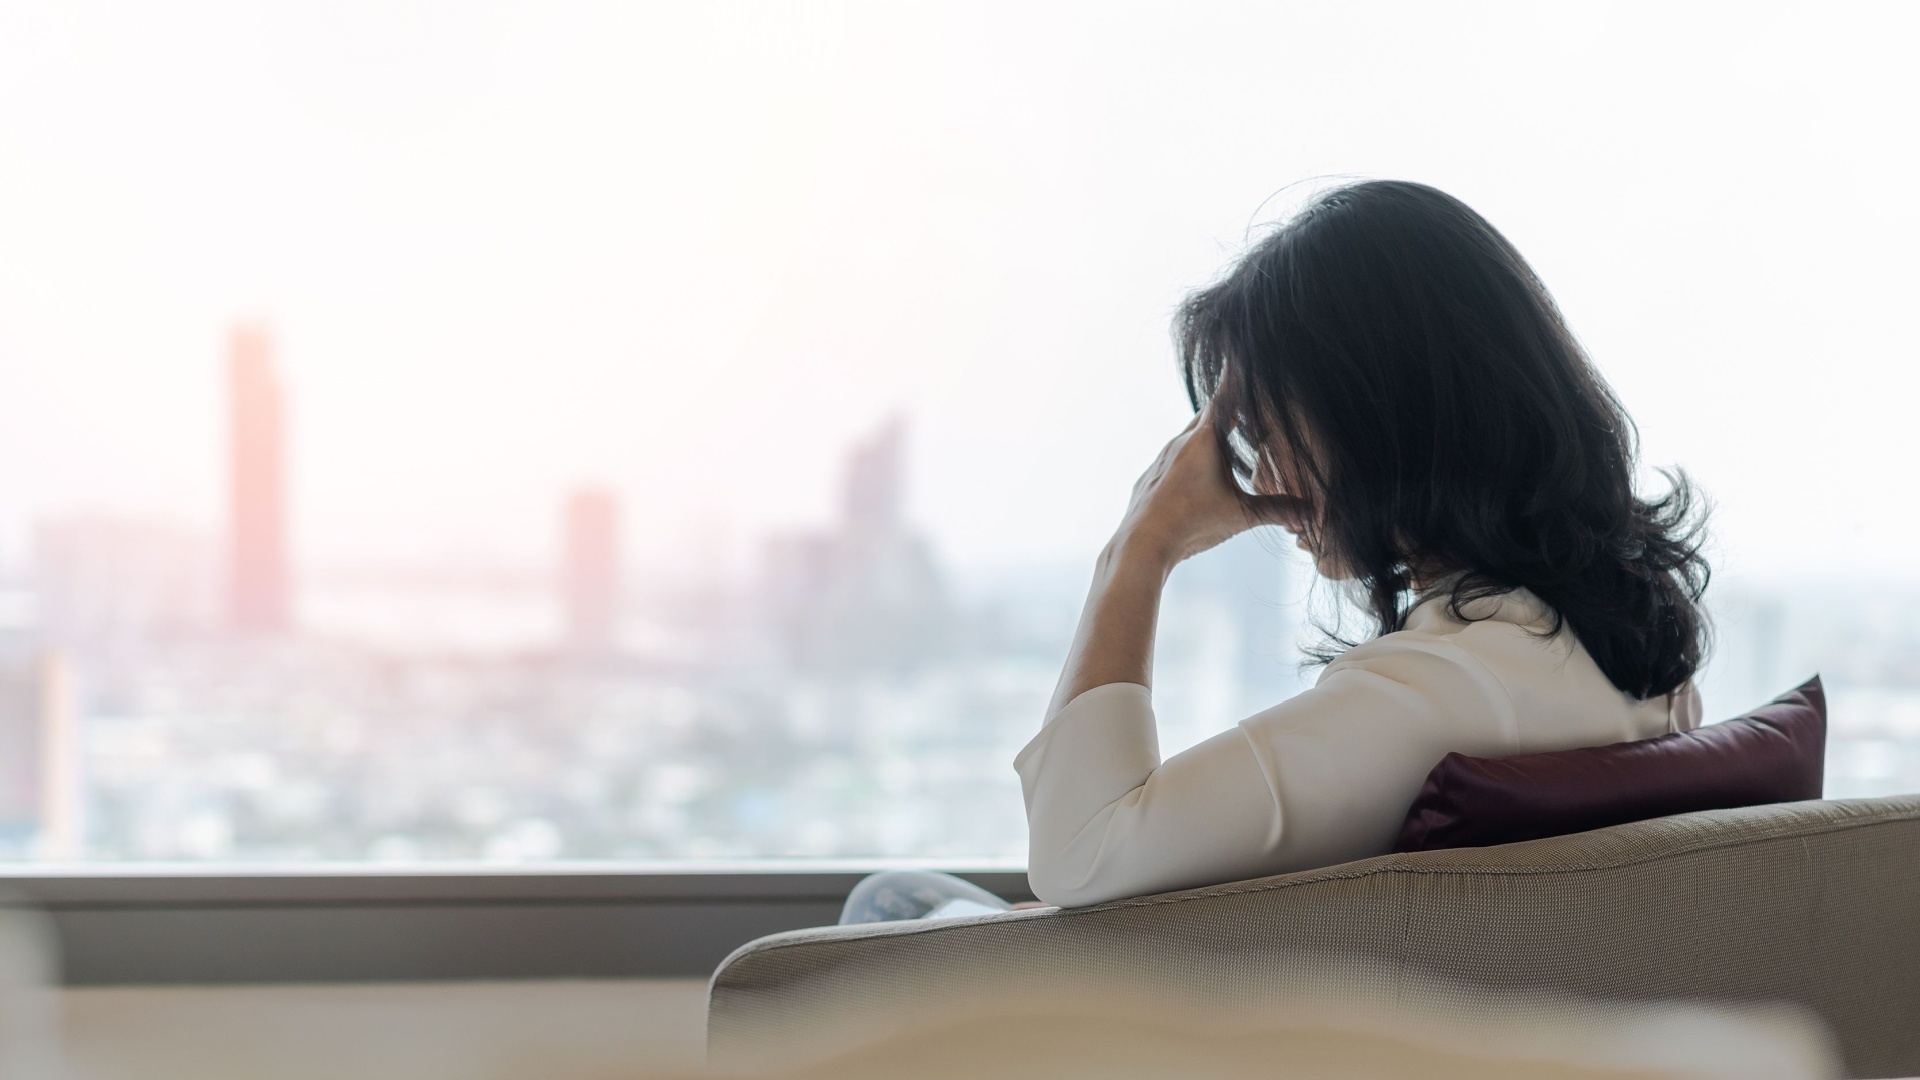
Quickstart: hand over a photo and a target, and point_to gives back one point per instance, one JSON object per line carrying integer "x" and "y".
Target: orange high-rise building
{"x": 259, "y": 596}
{"x": 590, "y": 570}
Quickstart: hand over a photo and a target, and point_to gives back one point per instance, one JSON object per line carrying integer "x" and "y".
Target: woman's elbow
{"x": 1110, "y": 859}
{"x": 1078, "y": 859}
{"x": 1065, "y": 890}
{"x": 1066, "y": 878}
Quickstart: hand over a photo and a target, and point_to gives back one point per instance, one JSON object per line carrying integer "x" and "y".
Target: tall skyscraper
{"x": 590, "y": 570}
{"x": 259, "y": 596}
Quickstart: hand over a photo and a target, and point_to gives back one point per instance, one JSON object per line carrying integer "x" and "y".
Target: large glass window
{"x": 442, "y": 431}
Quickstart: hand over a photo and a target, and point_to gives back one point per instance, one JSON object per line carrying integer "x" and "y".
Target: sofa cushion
{"x": 1777, "y": 753}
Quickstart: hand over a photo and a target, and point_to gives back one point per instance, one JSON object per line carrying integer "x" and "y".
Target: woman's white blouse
{"x": 1324, "y": 777}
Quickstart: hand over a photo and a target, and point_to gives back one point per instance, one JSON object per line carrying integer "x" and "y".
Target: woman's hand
{"x": 1187, "y": 502}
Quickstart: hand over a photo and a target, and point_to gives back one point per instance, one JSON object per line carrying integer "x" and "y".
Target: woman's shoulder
{"x": 1480, "y": 632}
{"x": 1493, "y": 658}
{"x": 1495, "y": 678}
{"x": 1511, "y": 652}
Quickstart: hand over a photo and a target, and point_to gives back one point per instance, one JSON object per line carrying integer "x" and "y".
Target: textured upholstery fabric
{"x": 1813, "y": 903}
{"x": 1776, "y": 753}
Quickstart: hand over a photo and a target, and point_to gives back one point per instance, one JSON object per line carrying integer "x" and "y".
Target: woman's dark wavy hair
{"x": 1389, "y": 357}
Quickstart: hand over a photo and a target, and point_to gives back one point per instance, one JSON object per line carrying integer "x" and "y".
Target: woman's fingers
{"x": 1186, "y": 500}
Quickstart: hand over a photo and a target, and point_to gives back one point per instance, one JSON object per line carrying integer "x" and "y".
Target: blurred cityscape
{"x": 170, "y": 694}
{"x": 167, "y": 694}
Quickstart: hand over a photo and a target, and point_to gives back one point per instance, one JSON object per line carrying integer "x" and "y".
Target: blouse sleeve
{"x": 1321, "y": 778}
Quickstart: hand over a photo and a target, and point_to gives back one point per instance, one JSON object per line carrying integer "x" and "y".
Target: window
{"x": 683, "y": 432}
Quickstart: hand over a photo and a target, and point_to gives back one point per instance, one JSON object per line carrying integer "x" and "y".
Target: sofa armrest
{"x": 1816, "y": 903}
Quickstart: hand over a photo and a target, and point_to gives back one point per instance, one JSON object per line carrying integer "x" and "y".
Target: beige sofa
{"x": 1814, "y": 903}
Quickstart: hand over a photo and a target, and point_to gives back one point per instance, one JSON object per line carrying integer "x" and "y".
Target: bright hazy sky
{"x": 693, "y": 251}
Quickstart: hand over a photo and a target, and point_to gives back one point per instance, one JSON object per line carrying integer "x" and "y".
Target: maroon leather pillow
{"x": 1777, "y": 753}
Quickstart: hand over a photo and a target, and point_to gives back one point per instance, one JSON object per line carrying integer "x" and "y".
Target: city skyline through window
{"x": 232, "y": 708}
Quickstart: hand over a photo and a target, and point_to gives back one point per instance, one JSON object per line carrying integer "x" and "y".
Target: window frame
{"x": 236, "y": 924}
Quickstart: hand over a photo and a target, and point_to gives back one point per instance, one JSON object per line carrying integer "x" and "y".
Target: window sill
{"x": 174, "y": 925}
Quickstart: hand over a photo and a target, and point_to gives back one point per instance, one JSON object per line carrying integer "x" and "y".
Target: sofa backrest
{"x": 1815, "y": 904}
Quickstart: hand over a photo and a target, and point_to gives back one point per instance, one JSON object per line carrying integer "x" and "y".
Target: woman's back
{"x": 1324, "y": 777}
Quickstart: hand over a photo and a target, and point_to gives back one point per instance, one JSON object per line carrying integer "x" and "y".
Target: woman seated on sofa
{"x": 1386, "y": 378}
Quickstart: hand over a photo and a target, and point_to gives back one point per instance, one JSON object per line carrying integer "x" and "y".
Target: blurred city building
{"x": 106, "y": 582}
{"x": 42, "y": 799}
{"x": 1229, "y": 639}
{"x": 1241, "y": 589}
{"x": 866, "y": 593}
{"x": 260, "y": 586}
{"x": 590, "y": 571}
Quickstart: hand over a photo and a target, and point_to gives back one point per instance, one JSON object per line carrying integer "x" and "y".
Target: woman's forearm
{"x": 1114, "y": 643}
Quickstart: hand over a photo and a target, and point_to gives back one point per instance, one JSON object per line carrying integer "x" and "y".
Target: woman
{"x": 1387, "y": 379}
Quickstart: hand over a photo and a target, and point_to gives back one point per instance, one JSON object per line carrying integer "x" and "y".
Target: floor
{"x": 585, "y": 1030}
{"x": 576, "y": 1030}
